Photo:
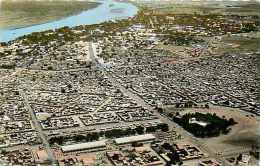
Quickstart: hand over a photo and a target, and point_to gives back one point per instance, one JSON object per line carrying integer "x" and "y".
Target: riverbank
{"x": 102, "y": 13}
{"x": 24, "y": 13}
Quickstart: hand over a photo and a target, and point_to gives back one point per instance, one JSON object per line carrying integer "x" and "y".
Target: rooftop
{"x": 83, "y": 146}
{"x": 125, "y": 140}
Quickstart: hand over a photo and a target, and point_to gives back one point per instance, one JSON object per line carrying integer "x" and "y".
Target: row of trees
{"x": 8, "y": 66}
{"x": 114, "y": 133}
{"x": 64, "y": 33}
{"x": 93, "y": 136}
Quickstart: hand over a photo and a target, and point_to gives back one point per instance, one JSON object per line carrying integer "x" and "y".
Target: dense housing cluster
{"x": 97, "y": 94}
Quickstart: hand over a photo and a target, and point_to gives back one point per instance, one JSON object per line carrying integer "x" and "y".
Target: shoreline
{"x": 86, "y": 17}
{"x": 38, "y": 20}
{"x": 61, "y": 18}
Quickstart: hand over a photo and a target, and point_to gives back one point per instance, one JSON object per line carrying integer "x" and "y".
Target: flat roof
{"x": 82, "y": 146}
{"x": 144, "y": 137}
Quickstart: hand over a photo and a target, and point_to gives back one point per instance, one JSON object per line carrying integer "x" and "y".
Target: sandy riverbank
{"x": 22, "y": 13}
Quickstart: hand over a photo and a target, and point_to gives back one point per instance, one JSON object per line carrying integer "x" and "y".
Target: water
{"x": 108, "y": 10}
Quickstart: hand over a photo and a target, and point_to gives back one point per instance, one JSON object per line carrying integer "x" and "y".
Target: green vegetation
{"x": 250, "y": 43}
{"x": 170, "y": 152}
{"x": 181, "y": 39}
{"x": 215, "y": 125}
{"x": 162, "y": 25}
{"x": 138, "y": 130}
{"x": 114, "y": 133}
{"x": 62, "y": 34}
{"x": 68, "y": 34}
{"x": 247, "y": 9}
{"x": 77, "y": 138}
{"x": 29, "y": 12}
{"x": 7, "y": 66}
{"x": 241, "y": 9}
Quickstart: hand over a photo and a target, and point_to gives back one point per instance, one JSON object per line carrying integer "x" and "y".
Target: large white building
{"x": 138, "y": 138}
{"x": 194, "y": 121}
{"x": 84, "y": 146}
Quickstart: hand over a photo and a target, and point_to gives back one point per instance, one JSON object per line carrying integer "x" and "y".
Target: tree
{"x": 150, "y": 129}
{"x": 79, "y": 138}
{"x": 159, "y": 109}
{"x": 164, "y": 127}
{"x": 59, "y": 140}
{"x": 50, "y": 68}
{"x": 231, "y": 121}
{"x": 3, "y": 151}
{"x": 177, "y": 105}
{"x": 63, "y": 90}
{"x": 239, "y": 158}
{"x": 139, "y": 129}
{"x": 93, "y": 136}
{"x": 130, "y": 131}
{"x": 167, "y": 146}
{"x": 69, "y": 86}
{"x": 115, "y": 157}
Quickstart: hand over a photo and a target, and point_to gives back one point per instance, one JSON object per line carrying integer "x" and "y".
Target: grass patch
{"x": 244, "y": 43}
{"x": 242, "y": 10}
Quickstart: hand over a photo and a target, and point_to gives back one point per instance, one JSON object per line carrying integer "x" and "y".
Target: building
{"x": 84, "y": 146}
{"x": 194, "y": 121}
{"x": 138, "y": 138}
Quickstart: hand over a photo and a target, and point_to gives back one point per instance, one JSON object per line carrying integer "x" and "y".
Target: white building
{"x": 138, "y": 138}
{"x": 84, "y": 146}
{"x": 194, "y": 121}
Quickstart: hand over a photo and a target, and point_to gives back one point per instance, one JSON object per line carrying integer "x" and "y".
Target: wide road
{"x": 165, "y": 119}
{"x": 38, "y": 127}
{"x": 151, "y": 23}
{"x": 95, "y": 59}
{"x": 92, "y": 54}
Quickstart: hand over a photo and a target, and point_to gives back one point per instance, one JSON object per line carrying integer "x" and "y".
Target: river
{"x": 107, "y": 10}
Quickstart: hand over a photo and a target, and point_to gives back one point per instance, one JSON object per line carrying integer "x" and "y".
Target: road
{"x": 165, "y": 119}
{"x": 102, "y": 105}
{"x": 196, "y": 141}
{"x": 142, "y": 103}
{"x": 151, "y": 22}
{"x": 95, "y": 59}
{"x": 93, "y": 55}
{"x": 38, "y": 128}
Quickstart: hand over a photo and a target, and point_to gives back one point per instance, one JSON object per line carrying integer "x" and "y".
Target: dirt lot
{"x": 242, "y": 135}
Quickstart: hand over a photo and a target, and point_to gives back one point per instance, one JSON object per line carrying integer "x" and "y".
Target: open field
{"x": 251, "y": 42}
{"x": 205, "y": 7}
{"x": 249, "y": 9}
{"x": 242, "y": 136}
{"x": 15, "y": 14}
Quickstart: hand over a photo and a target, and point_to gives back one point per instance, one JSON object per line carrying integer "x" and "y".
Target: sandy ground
{"x": 16, "y": 14}
{"x": 242, "y": 135}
